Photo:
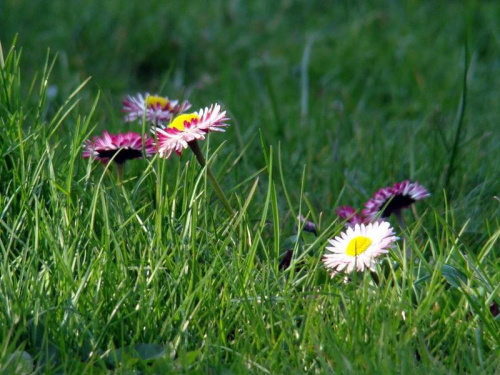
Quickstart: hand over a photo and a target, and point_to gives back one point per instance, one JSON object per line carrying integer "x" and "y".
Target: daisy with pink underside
{"x": 185, "y": 129}
{"x": 351, "y": 216}
{"x": 359, "y": 247}
{"x": 156, "y": 109}
{"x": 393, "y": 199}
{"x": 118, "y": 147}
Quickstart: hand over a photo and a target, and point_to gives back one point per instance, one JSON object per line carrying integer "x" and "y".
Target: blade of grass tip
{"x": 2, "y": 61}
{"x": 276, "y": 220}
{"x": 42, "y": 94}
{"x": 78, "y": 89}
{"x": 283, "y": 183}
{"x": 314, "y": 215}
{"x": 264, "y": 147}
{"x": 272, "y": 199}
{"x": 144, "y": 176}
{"x": 480, "y": 346}
{"x": 21, "y": 146}
{"x": 93, "y": 204}
{"x": 211, "y": 177}
{"x": 251, "y": 177}
{"x": 212, "y": 156}
{"x": 274, "y": 101}
{"x": 31, "y": 89}
{"x": 242, "y": 145}
{"x": 8, "y": 74}
{"x": 135, "y": 213}
{"x": 191, "y": 196}
{"x": 301, "y": 199}
{"x": 269, "y": 165}
{"x": 460, "y": 116}
{"x": 304, "y": 79}
{"x": 159, "y": 197}
{"x": 244, "y": 208}
{"x": 320, "y": 239}
{"x": 292, "y": 268}
{"x": 233, "y": 161}
{"x": 65, "y": 109}
{"x": 55, "y": 125}
{"x": 167, "y": 78}
{"x": 295, "y": 256}
{"x": 488, "y": 246}
{"x": 78, "y": 138}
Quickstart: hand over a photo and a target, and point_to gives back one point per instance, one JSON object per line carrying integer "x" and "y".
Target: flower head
{"x": 119, "y": 147}
{"x": 307, "y": 225}
{"x": 186, "y": 128}
{"x": 351, "y": 216}
{"x": 392, "y": 199}
{"x": 358, "y": 247}
{"x": 156, "y": 108}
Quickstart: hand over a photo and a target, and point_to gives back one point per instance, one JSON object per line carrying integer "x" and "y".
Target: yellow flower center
{"x": 178, "y": 122}
{"x": 155, "y": 100}
{"x": 358, "y": 246}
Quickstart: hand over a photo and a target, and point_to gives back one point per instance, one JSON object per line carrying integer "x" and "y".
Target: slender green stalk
{"x": 119, "y": 172}
{"x": 402, "y": 227}
{"x": 400, "y": 218}
{"x": 213, "y": 180}
{"x": 460, "y": 119}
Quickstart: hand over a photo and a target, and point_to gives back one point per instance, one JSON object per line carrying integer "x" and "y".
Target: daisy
{"x": 350, "y": 215}
{"x": 119, "y": 147}
{"x": 393, "y": 199}
{"x": 185, "y": 129}
{"x": 357, "y": 248}
{"x": 156, "y": 108}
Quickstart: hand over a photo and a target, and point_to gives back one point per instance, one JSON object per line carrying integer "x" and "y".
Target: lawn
{"x": 166, "y": 265}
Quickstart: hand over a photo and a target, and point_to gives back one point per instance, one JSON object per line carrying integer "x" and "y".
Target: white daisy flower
{"x": 358, "y": 247}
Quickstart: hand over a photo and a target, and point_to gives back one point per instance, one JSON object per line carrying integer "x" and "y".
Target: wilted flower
{"x": 306, "y": 225}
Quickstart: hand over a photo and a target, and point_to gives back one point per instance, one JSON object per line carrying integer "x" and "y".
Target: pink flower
{"x": 187, "y": 128}
{"x": 156, "y": 108}
{"x": 119, "y": 147}
{"x": 393, "y": 199}
{"x": 351, "y": 216}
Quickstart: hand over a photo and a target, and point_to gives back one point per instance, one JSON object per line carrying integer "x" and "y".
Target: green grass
{"x": 328, "y": 103}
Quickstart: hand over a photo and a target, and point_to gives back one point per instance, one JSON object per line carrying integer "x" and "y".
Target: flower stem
{"x": 400, "y": 218}
{"x": 119, "y": 172}
{"x": 402, "y": 226}
{"x": 215, "y": 184}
